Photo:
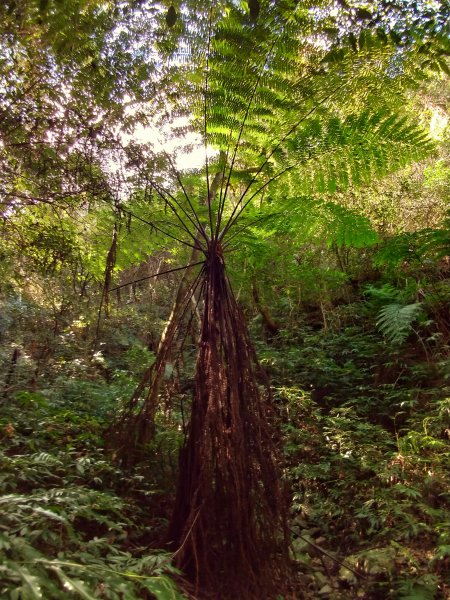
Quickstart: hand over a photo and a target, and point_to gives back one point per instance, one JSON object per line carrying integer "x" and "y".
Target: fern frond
{"x": 415, "y": 246}
{"x": 332, "y": 154}
{"x": 395, "y": 320}
{"x": 396, "y": 250}
{"x": 383, "y": 294}
{"x": 348, "y": 228}
{"x": 306, "y": 219}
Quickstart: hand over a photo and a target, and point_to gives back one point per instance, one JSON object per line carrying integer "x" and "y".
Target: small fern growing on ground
{"x": 395, "y": 315}
{"x": 395, "y": 320}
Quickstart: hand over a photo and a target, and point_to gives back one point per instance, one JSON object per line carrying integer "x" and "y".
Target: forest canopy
{"x": 224, "y": 290}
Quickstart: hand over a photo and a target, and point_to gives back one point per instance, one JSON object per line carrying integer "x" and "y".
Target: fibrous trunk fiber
{"x": 228, "y": 525}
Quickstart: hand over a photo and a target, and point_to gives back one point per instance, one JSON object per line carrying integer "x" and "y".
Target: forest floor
{"x": 365, "y": 441}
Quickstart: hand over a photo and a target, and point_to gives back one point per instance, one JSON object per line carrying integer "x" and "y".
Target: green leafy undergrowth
{"x": 73, "y": 524}
{"x": 367, "y": 454}
{"x": 97, "y": 570}
{"x": 70, "y": 540}
{"x": 379, "y": 501}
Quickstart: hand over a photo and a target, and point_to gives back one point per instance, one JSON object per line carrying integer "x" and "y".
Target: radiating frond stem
{"x": 157, "y": 228}
{"x": 165, "y": 195}
{"x": 205, "y": 115}
{"x": 197, "y": 223}
{"x": 236, "y": 146}
{"x": 118, "y": 287}
{"x": 245, "y": 227}
{"x": 176, "y": 225}
{"x": 237, "y": 214}
{"x": 271, "y": 153}
{"x": 222, "y": 190}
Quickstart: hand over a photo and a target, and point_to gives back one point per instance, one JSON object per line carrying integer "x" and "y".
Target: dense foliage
{"x": 293, "y": 155}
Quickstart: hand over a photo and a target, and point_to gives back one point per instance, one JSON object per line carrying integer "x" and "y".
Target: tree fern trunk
{"x": 229, "y": 522}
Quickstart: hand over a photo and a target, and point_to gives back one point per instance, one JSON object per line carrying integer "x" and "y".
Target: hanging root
{"x": 129, "y": 434}
{"x": 229, "y": 524}
{"x": 132, "y": 431}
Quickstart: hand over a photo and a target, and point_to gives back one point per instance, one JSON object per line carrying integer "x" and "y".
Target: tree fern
{"x": 259, "y": 89}
{"x": 264, "y": 108}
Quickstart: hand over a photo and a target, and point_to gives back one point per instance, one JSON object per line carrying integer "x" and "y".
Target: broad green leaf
{"x": 74, "y": 585}
{"x": 162, "y": 587}
{"x": 32, "y": 587}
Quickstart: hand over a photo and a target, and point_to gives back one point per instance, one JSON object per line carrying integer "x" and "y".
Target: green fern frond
{"x": 415, "y": 246}
{"x": 306, "y": 219}
{"x": 436, "y": 242}
{"x": 396, "y": 250}
{"x": 385, "y": 293}
{"x": 395, "y": 320}
{"x": 347, "y": 228}
{"x": 360, "y": 147}
{"x": 423, "y": 588}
